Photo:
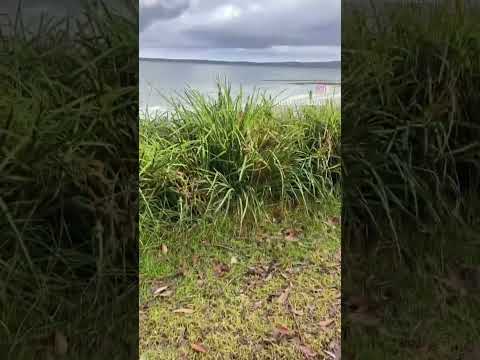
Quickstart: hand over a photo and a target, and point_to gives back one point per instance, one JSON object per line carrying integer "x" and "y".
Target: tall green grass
{"x": 411, "y": 137}
{"x": 68, "y": 180}
{"x": 234, "y": 154}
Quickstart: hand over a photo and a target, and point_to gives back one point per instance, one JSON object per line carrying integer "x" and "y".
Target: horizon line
{"x": 240, "y": 61}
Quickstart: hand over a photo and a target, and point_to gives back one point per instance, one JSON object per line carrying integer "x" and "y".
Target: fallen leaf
{"x": 334, "y": 220}
{"x": 326, "y": 323}
{"x": 164, "y": 249}
{"x": 284, "y": 295}
{"x": 220, "y": 269}
{"x": 307, "y": 352}
{"x": 160, "y": 290}
{"x": 233, "y": 260}
{"x": 183, "y": 311}
{"x": 61, "y": 344}
{"x": 199, "y": 348}
{"x": 335, "y": 350}
{"x": 280, "y": 332}
{"x": 291, "y": 234}
{"x": 166, "y": 293}
{"x": 338, "y": 352}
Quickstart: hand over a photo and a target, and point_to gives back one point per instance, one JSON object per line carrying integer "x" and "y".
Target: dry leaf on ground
{"x": 183, "y": 311}
{"x": 281, "y": 331}
{"x": 164, "y": 249}
{"x": 166, "y": 293}
{"x": 291, "y": 234}
{"x": 335, "y": 350}
{"x": 284, "y": 295}
{"x": 159, "y": 290}
{"x": 326, "y": 323}
{"x": 334, "y": 220}
{"x": 220, "y": 269}
{"x": 198, "y": 348}
{"x": 307, "y": 352}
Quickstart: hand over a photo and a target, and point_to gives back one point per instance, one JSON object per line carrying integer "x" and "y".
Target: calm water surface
{"x": 159, "y": 78}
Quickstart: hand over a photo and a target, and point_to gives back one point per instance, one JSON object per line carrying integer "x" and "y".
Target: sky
{"x": 241, "y": 30}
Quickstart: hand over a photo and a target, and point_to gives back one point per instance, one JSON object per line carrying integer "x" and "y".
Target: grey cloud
{"x": 244, "y": 24}
{"x": 264, "y": 38}
{"x": 156, "y": 10}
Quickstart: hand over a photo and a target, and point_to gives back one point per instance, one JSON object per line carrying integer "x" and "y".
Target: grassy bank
{"x": 410, "y": 147}
{"x": 239, "y": 230}
{"x": 68, "y": 189}
{"x": 235, "y": 155}
{"x": 411, "y": 161}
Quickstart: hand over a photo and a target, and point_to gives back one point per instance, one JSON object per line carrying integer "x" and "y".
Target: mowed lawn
{"x": 269, "y": 290}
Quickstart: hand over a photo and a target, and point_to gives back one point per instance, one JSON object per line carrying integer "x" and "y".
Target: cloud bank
{"x": 283, "y": 30}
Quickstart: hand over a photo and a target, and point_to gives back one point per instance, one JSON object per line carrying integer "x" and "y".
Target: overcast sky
{"x": 238, "y": 30}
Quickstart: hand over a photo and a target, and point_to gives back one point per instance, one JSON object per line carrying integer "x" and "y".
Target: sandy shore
{"x": 311, "y": 100}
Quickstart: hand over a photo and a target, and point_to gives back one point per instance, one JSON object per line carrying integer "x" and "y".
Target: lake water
{"x": 286, "y": 83}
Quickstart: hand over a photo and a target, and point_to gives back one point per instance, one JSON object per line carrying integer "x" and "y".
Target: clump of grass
{"x": 234, "y": 154}
{"x": 69, "y": 140}
{"x": 410, "y": 146}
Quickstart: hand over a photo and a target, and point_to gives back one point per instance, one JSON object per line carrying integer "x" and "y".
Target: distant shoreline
{"x": 294, "y": 100}
{"x": 319, "y": 64}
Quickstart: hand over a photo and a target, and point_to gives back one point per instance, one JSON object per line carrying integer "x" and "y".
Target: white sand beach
{"x": 331, "y": 94}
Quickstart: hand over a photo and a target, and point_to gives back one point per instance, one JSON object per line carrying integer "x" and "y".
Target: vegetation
{"x": 410, "y": 160}
{"x": 68, "y": 188}
{"x": 250, "y": 293}
{"x": 238, "y": 217}
{"x": 231, "y": 154}
{"x": 410, "y": 147}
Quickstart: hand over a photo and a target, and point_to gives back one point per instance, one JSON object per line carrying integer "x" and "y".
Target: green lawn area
{"x": 269, "y": 290}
